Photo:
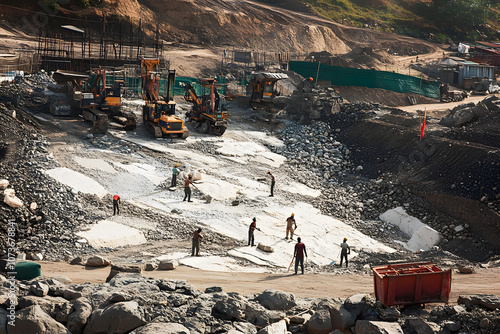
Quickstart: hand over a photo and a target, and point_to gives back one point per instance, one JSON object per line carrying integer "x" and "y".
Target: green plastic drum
{"x": 26, "y": 270}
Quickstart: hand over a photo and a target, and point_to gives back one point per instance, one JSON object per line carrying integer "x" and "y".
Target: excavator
{"x": 103, "y": 103}
{"x": 97, "y": 102}
{"x": 263, "y": 93}
{"x": 210, "y": 111}
{"x": 159, "y": 116}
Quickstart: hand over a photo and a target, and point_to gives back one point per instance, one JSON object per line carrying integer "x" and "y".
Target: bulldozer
{"x": 210, "y": 110}
{"x": 263, "y": 92}
{"x": 159, "y": 115}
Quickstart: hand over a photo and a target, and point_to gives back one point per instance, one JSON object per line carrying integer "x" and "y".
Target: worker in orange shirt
{"x": 116, "y": 208}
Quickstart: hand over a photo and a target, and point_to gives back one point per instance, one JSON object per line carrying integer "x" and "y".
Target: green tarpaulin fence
{"x": 343, "y": 76}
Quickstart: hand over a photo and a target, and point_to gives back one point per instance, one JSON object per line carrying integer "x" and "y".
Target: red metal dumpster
{"x": 411, "y": 283}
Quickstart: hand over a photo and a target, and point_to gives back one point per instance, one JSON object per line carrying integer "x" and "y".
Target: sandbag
{"x": 10, "y": 198}
{"x": 26, "y": 270}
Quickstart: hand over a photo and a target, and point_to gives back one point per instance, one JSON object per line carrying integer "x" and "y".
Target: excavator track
{"x": 154, "y": 128}
{"x": 98, "y": 119}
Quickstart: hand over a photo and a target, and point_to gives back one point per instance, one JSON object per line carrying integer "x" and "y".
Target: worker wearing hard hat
{"x": 345, "y": 249}
{"x": 175, "y": 171}
{"x": 290, "y": 222}
{"x": 273, "y": 181}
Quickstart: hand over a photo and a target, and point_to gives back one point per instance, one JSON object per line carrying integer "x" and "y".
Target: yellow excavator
{"x": 210, "y": 110}
{"x": 159, "y": 116}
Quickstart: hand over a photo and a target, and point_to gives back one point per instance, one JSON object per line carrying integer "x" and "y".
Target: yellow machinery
{"x": 210, "y": 110}
{"x": 263, "y": 91}
{"x": 159, "y": 116}
{"x": 104, "y": 103}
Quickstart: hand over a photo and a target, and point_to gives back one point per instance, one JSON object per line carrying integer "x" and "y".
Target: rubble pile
{"x": 318, "y": 104}
{"x": 130, "y": 303}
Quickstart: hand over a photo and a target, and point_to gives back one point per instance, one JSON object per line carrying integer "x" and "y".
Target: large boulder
{"x": 276, "y": 300}
{"x": 161, "y": 328}
{"x": 118, "y": 318}
{"x": 81, "y": 313}
{"x": 341, "y": 318}
{"x": 377, "y": 327}
{"x": 229, "y": 309}
{"x": 35, "y": 320}
{"x": 243, "y": 328}
{"x": 276, "y": 328}
{"x": 491, "y": 302}
{"x": 320, "y": 322}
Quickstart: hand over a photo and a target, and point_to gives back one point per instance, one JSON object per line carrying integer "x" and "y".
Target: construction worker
{"x": 187, "y": 188}
{"x": 175, "y": 171}
{"x": 290, "y": 223}
{"x": 298, "y": 254}
{"x": 195, "y": 249}
{"x": 343, "y": 253}
{"x": 273, "y": 181}
{"x": 116, "y": 207}
{"x": 251, "y": 229}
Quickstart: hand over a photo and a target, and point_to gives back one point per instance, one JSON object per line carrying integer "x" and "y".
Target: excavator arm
{"x": 190, "y": 96}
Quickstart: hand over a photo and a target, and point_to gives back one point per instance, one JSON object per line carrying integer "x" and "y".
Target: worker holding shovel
{"x": 187, "y": 188}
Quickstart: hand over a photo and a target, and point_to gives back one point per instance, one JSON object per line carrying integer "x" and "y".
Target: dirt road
{"x": 315, "y": 286}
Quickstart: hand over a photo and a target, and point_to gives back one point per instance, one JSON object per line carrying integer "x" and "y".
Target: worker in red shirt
{"x": 195, "y": 250}
{"x": 116, "y": 208}
{"x": 298, "y": 254}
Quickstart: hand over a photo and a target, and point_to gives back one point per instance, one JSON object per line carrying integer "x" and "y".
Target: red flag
{"x": 423, "y": 124}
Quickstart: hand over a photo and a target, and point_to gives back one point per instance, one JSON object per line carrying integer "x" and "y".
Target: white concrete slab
{"x": 111, "y": 234}
{"x": 406, "y": 223}
{"x": 77, "y": 181}
{"x": 97, "y": 164}
{"x": 424, "y": 239}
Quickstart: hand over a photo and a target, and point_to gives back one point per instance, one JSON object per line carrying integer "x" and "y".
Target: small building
{"x": 463, "y": 73}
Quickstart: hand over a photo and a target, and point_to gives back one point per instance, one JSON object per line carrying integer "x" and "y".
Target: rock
{"x": 465, "y": 270}
{"x": 4, "y": 184}
{"x": 70, "y": 294}
{"x": 213, "y": 289}
{"x": 356, "y": 303}
{"x": 10, "y": 198}
{"x": 296, "y": 319}
{"x": 484, "y": 323}
{"x": 377, "y": 327}
{"x": 48, "y": 303}
{"x": 118, "y": 318}
{"x": 341, "y": 318}
{"x": 39, "y": 289}
{"x": 37, "y": 257}
{"x": 421, "y": 326}
{"x": 168, "y": 264}
{"x": 276, "y": 300}
{"x": 243, "y": 328}
{"x": 34, "y": 320}
{"x": 490, "y": 302}
{"x": 161, "y": 328}
{"x": 150, "y": 266}
{"x": 229, "y": 309}
{"x": 78, "y": 319}
{"x": 97, "y": 261}
{"x": 265, "y": 248}
{"x": 320, "y": 322}
{"x": 389, "y": 314}
{"x": 76, "y": 260}
{"x": 122, "y": 269}
{"x": 453, "y": 326}
{"x": 276, "y": 328}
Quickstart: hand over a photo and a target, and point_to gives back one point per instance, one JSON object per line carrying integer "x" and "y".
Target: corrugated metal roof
{"x": 273, "y": 75}
{"x": 73, "y": 28}
{"x": 488, "y": 44}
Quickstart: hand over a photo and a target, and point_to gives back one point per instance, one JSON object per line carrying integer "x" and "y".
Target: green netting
{"x": 343, "y": 76}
